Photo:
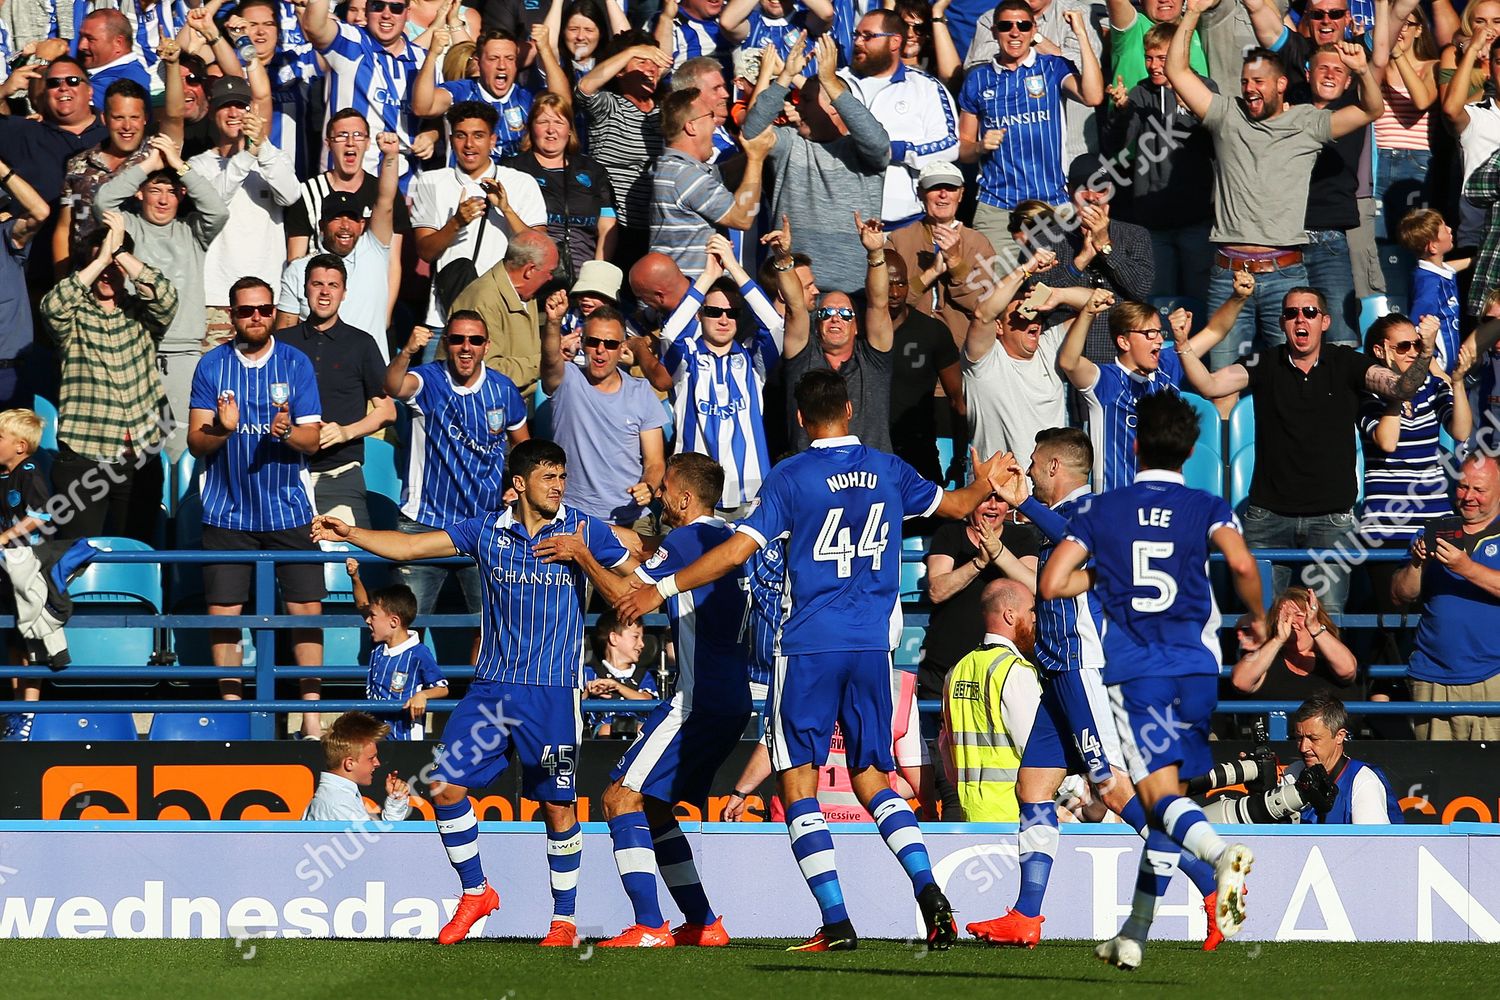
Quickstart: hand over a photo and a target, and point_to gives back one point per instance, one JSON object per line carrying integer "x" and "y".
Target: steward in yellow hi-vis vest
{"x": 989, "y": 704}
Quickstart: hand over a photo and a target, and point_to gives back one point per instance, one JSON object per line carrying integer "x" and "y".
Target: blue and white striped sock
{"x": 1037, "y": 846}
{"x": 460, "y": 832}
{"x": 1185, "y": 823}
{"x": 637, "y": 864}
{"x": 674, "y": 856}
{"x": 1158, "y": 865}
{"x": 564, "y": 858}
{"x": 812, "y": 845}
{"x": 898, "y": 825}
{"x": 1199, "y": 871}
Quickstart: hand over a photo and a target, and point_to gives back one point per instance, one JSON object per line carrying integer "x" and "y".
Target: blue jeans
{"x": 1259, "y": 324}
{"x": 1328, "y": 578}
{"x": 1183, "y": 261}
{"x": 1400, "y": 186}
{"x": 426, "y": 582}
{"x": 1326, "y": 258}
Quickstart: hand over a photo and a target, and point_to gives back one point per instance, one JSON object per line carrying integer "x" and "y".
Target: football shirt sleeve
{"x": 204, "y": 394}
{"x": 919, "y": 497}
{"x": 602, "y": 542}
{"x": 771, "y": 518}
{"x": 465, "y": 535}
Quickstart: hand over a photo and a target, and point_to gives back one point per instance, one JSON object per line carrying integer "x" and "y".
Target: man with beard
{"x": 989, "y": 704}
{"x": 365, "y": 249}
{"x": 913, "y": 107}
{"x": 348, "y": 136}
{"x": 351, "y": 383}
{"x": 464, "y": 419}
{"x": 1264, "y": 155}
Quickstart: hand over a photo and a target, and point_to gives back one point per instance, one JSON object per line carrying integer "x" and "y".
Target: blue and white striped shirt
{"x": 1111, "y": 403}
{"x": 398, "y": 672}
{"x": 292, "y": 73}
{"x": 692, "y": 38}
{"x": 765, "y": 571}
{"x": 1407, "y": 488}
{"x": 713, "y": 660}
{"x": 1028, "y": 103}
{"x": 1069, "y": 630}
{"x": 364, "y": 76}
{"x": 513, "y": 110}
{"x": 717, "y": 399}
{"x": 533, "y": 611}
{"x": 456, "y": 463}
{"x": 256, "y": 482}
{"x": 778, "y": 31}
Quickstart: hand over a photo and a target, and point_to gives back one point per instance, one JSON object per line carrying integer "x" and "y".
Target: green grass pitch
{"x": 281, "y": 969}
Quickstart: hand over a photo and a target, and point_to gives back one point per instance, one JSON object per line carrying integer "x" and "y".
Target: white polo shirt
{"x": 366, "y": 290}
{"x": 338, "y": 800}
{"x": 435, "y": 196}
{"x": 1010, "y": 400}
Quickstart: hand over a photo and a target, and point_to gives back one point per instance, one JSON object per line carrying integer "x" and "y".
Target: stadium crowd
{"x": 262, "y": 232}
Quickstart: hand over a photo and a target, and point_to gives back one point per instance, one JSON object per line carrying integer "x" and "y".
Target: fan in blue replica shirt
{"x": 402, "y": 668}
{"x": 497, "y": 53}
{"x": 1074, "y": 731}
{"x": 1149, "y": 543}
{"x": 686, "y": 740}
{"x": 839, "y": 505}
{"x": 525, "y": 691}
{"x": 254, "y": 417}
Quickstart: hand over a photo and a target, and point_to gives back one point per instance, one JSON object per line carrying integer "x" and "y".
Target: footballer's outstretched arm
{"x": 719, "y": 561}
{"x": 394, "y": 545}
{"x": 1064, "y": 575}
{"x": 990, "y": 476}
{"x": 1244, "y": 574}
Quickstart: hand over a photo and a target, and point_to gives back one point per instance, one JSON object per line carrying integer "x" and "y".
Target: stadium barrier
{"x": 169, "y": 880}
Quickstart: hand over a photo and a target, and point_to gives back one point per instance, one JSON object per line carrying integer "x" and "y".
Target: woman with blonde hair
{"x": 1303, "y": 656}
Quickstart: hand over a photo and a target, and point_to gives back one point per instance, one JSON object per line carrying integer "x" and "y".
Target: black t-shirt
{"x": 514, "y": 16}
{"x": 574, "y": 196}
{"x": 349, "y": 371}
{"x": 1333, "y": 188}
{"x": 302, "y": 218}
{"x": 1304, "y": 430}
{"x": 22, "y": 489}
{"x": 956, "y": 627}
{"x": 197, "y": 137}
{"x": 923, "y": 347}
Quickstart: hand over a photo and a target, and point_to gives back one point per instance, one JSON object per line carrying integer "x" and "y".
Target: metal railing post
{"x": 1276, "y": 726}
{"x": 263, "y": 724}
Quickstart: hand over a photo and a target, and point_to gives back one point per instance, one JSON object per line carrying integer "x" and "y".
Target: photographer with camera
{"x": 1455, "y": 571}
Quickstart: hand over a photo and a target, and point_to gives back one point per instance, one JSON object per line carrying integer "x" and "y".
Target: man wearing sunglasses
{"x": 39, "y": 150}
{"x": 255, "y": 418}
{"x": 1324, "y": 22}
{"x": 370, "y": 69}
{"x": 1308, "y": 394}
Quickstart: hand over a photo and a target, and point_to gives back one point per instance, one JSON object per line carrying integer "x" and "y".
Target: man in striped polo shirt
{"x": 464, "y": 418}
{"x": 1011, "y": 117}
{"x": 689, "y": 197}
{"x": 525, "y": 690}
{"x": 254, "y": 416}
{"x": 370, "y": 69}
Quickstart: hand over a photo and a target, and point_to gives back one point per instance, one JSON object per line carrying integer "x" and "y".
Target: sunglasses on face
{"x": 1327, "y": 15}
{"x": 195, "y": 79}
{"x": 266, "y": 309}
{"x": 1404, "y": 346}
{"x": 715, "y": 312}
{"x": 870, "y": 36}
{"x": 460, "y": 339}
{"x": 394, "y": 6}
{"x": 608, "y": 345}
{"x": 1306, "y": 312}
{"x": 1003, "y": 26}
{"x": 843, "y": 313}
{"x": 53, "y": 82}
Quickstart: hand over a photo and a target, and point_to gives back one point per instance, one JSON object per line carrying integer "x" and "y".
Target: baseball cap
{"x": 337, "y": 203}
{"x": 938, "y": 174}
{"x": 229, "y": 90}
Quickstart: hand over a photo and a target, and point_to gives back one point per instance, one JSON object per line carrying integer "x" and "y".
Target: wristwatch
{"x": 1107, "y": 249}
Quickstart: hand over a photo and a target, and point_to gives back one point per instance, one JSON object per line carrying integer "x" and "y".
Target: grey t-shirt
{"x": 868, "y": 375}
{"x": 1262, "y": 171}
{"x": 601, "y": 433}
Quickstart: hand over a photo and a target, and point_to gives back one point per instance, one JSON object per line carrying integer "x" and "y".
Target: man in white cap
{"x": 598, "y": 285}
{"x": 940, "y": 252}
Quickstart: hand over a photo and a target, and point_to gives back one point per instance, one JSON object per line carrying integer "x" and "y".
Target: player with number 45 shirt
{"x": 525, "y": 691}
{"x": 839, "y": 506}
{"x": 1150, "y": 544}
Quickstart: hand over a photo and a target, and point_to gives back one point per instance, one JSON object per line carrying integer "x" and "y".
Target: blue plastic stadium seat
{"x": 913, "y": 581}
{"x": 168, "y": 483}
{"x": 541, "y": 417}
{"x": 106, "y": 582}
{"x": 1371, "y": 308}
{"x": 58, "y": 726}
{"x": 945, "y": 455}
{"x": 909, "y": 653}
{"x": 214, "y": 726}
{"x": 47, "y": 410}
{"x": 114, "y": 589}
{"x": 380, "y": 469}
{"x": 1166, "y": 303}
{"x": 1241, "y": 425}
{"x": 1205, "y": 467}
{"x": 1241, "y": 468}
{"x": 186, "y": 480}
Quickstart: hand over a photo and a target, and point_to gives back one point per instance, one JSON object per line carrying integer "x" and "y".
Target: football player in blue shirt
{"x": 686, "y": 740}
{"x": 840, "y": 506}
{"x": 1149, "y": 544}
{"x": 525, "y": 690}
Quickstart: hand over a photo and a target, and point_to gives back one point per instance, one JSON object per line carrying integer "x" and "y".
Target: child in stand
{"x": 1434, "y": 283}
{"x": 401, "y": 667}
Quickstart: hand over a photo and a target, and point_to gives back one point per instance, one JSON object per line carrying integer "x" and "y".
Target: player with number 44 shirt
{"x": 839, "y": 506}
